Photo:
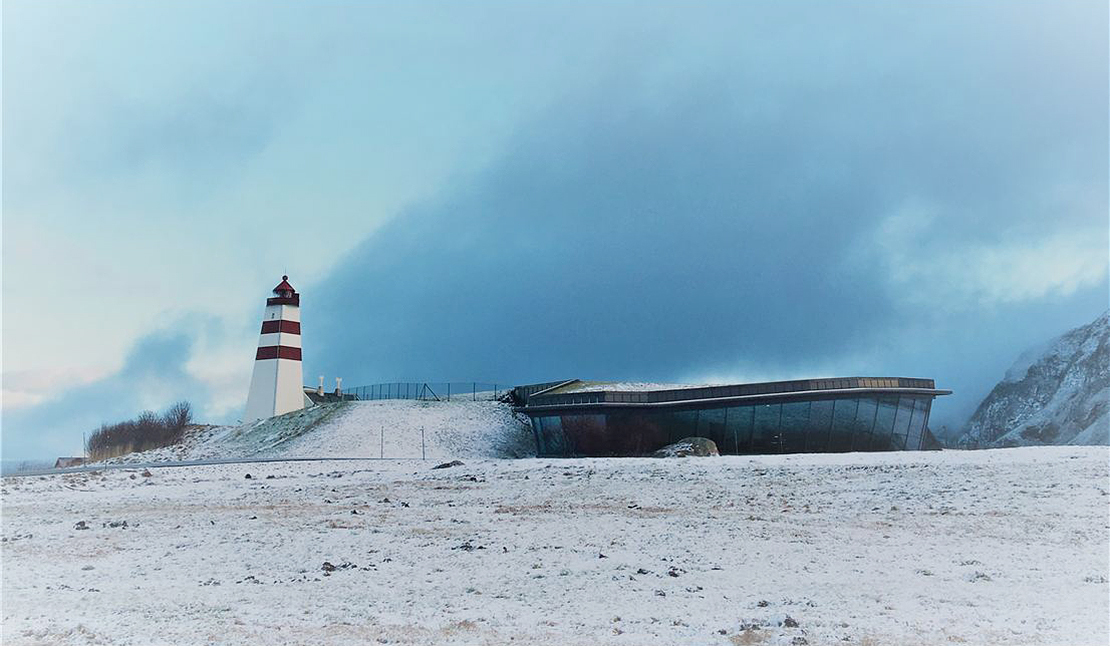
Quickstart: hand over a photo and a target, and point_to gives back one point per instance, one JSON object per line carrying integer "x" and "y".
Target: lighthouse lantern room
{"x": 276, "y": 386}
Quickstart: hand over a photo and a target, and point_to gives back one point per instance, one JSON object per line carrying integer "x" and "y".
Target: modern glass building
{"x": 575, "y": 418}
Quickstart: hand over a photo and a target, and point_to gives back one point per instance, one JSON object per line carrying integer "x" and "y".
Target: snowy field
{"x": 1006, "y": 546}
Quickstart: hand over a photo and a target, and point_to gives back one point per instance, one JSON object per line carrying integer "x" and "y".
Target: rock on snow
{"x": 688, "y": 447}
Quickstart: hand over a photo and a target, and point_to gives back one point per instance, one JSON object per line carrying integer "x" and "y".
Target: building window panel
{"x": 844, "y": 416}
{"x": 865, "y": 422}
{"x": 820, "y": 419}
{"x": 637, "y": 432}
{"x": 682, "y": 424}
{"x": 711, "y": 424}
{"x": 921, "y": 419}
{"x": 586, "y": 435}
{"x": 884, "y": 420}
{"x": 795, "y": 422}
{"x": 541, "y": 439}
{"x": 880, "y": 436}
{"x": 738, "y": 424}
{"x": 765, "y": 429}
{"x": 555, "y": 441}
{"x": 913, "y": 438}
{"x": 902, "y": 421}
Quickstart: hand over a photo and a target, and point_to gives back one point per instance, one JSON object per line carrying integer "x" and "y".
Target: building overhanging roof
{"x": 576, "y": 393}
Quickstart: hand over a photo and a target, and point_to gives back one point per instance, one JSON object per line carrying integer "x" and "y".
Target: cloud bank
{"x": 794, "y": 203}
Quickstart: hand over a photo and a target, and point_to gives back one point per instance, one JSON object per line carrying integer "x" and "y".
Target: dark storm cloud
{"x": 723, "y": 218}
{"x": 153, "y": 376}
{"x": 620, "y": 253}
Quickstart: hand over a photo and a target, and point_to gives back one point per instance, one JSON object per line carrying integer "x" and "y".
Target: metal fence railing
{"x": 429, "y": 390}
{"x": 12, "y": 467}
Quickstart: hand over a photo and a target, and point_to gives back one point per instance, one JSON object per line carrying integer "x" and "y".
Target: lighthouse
{"x": 276, "y": 385}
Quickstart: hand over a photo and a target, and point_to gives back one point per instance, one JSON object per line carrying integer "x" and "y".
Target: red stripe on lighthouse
{"x": 288, "y": 327}
{"x": 278, "y": 352}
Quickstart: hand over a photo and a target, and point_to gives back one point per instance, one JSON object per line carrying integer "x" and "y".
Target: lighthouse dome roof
{"x": 284, "y": 286}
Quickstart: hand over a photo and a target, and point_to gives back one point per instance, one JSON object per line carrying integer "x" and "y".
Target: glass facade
{"x": 878, "y": 422}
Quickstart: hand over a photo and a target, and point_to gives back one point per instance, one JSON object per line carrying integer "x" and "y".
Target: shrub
{"x": 147, "y": 431}
{"x": 178, "y": 416}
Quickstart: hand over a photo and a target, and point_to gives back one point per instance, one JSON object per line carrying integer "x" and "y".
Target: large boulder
{"x": 687, "y": 447}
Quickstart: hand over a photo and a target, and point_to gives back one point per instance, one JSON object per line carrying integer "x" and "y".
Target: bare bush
{"x": 179, "y": 415}
{"x": 147, "y": 431}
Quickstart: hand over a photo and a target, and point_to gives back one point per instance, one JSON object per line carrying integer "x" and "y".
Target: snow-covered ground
{"x": 1005, "y": 546}
{"x": 412, "y": 429}
{"x": 394, "y": 428}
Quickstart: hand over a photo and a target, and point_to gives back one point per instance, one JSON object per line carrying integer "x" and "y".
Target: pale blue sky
{"x": 510, "y": 191}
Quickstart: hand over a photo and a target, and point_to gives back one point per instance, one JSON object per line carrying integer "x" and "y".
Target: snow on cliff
{"x": 1056, "y": 394}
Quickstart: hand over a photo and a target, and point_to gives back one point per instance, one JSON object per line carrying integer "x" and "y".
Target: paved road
{"x": 188, "y": 463}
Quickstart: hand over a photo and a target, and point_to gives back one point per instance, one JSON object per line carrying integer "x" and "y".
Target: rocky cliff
{"x": 1055, "y": 394}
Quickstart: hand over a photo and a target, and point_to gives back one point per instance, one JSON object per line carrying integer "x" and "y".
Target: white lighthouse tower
{"x": 276, "y": 385}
